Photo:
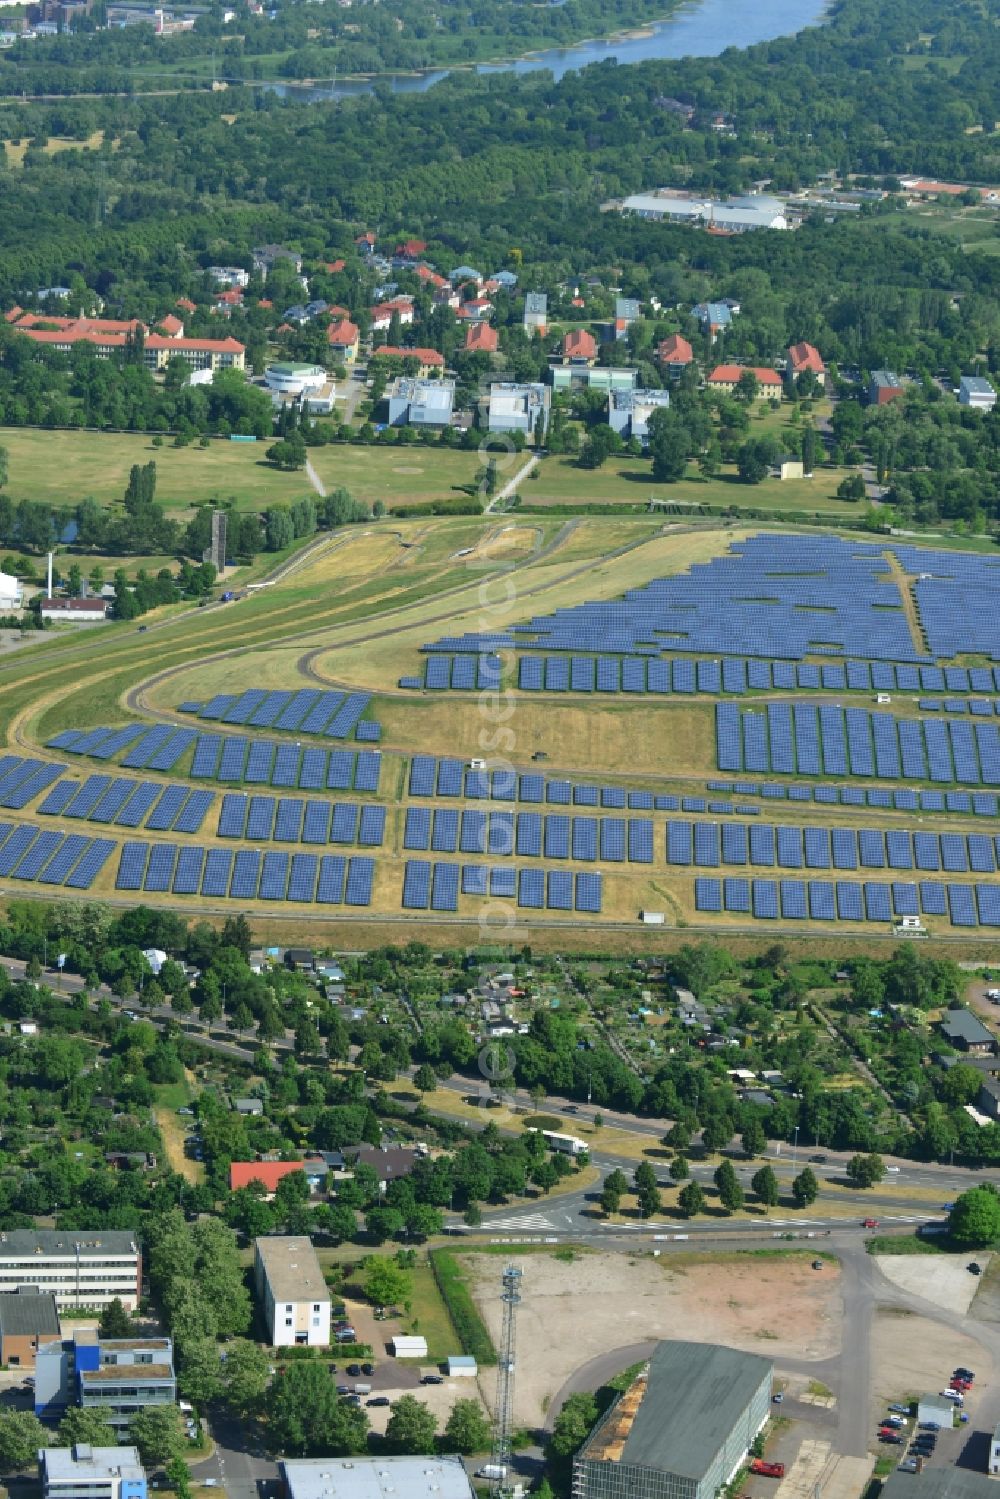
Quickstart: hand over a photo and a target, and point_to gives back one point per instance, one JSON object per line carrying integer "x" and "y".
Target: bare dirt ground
{"x": 941, "y": 1279}
{"x": 573, "y": 1312}
{"x": 912, "y": 1355}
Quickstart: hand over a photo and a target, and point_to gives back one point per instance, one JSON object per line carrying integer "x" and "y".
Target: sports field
{"x": 353, "y": 617}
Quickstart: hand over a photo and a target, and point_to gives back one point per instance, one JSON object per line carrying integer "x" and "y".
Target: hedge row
{"x": 472, "y": 1331}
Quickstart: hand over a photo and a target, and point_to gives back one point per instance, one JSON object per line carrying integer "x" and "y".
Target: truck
{"x": 767, "y": 1470}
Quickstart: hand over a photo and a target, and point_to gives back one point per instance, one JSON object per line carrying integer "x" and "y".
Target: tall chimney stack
{"x": 48, "y": 586}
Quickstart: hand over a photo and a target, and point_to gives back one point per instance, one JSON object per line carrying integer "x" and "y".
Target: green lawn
{"x": 628, "y": 482}
{"x": 64, "y": 467}
{"x": 397, "y": 475}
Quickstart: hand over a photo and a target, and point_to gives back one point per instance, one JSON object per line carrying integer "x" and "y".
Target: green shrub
{"x": 472, "y": 1331}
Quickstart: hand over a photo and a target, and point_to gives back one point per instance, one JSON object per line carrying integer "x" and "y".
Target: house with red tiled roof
{"x": 171, "y": 326}
{"x": 224, "y": 302}
{"x": 481, "y": 338}
{"x": 475, "y": 310}
{"x": 13, "y": 315}
{"x": 366, "y": 242}
{"x": 107, "y": 337}
{"x": 429, "y": 359}
{"x": 726, "y": 377}
{"x": 431, "y": 278}
{"x": 675, "y": 354}
{"x": 334, "y": 267}
{"x": 411, "y": 248}
{"x": 269, "y": 1173}
{"x": 185, "y": 304}
{"x": 579, "y": 348}
{"x": 382, "y": 315}
{"x": 343, "y": 338}
{"x": 803, "y": 359}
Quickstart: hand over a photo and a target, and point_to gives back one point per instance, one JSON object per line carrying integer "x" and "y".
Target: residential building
{"x": 463, "y": 273}
{"x": 988, "y": 1101}
{"x": 883, "y": 387}
{"x": 804, "y": 359}
{"x": 388, "y": 1162}
{"x": 420, "y": 403}
{"x": 674, "y": 354}
{"x": 726, "y": 377}
{"x": 506, "y": 280}
{"x": 597, "y": 377}
{"x": 579, "y": 348}
{"x": 383, "y": 314}
{"x": 681, "y": 1430}
{"x": 266, "y": 257}
{"x": 269, "y": 1173}
{"x": 249, "y": 1106}
{"x": 87, "y": 1268}
{"x": 302, "y": 959}
{"x": 481, "y": 338}
{"x": 627, "y": 310}
{"x": 377, "y": 1477}
{"x": 714, "y": 317}
{"x": 629, "y": 411}
{"x": 427, "y": 359}
{"x": 475, "y": 310}
{"x": 28, "y": 1320}
{"x": 789, "y": 467}
{"x": 977, "y": 392}
{"x": 343, "y": 336}
{"x": 229, "y": 275}
{"x": 966, "y": 1032}
{"x": 536, "y": 312}
{"x": 517, "y": 408}
{"x": 118, "y": 1376}
{"x": 291, "y": 1292}
{"x": 411, "y": 249}
{"x": 85, "y": 1472}
{"x": 110, "y": 339}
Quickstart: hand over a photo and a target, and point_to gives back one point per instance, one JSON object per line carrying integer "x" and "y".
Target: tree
{"x": 425, "y": 1079}
{"x": 572, "y": 1425}
{"x": 765, "y": 1186}
{"x": 974, "y": 1221}
{"x": 805, "y": 1188}
{"x": 717, "y": 1133}
{"x": 754, "y": 1139}
{"x": 467, "y": 1428}
{"x": 610, "y": 1200}
{"x": 306, "y": 1418}
{"x": 246, "y": 1375}
{"x": 411, "y": 1428}
{"x": 4, "y": 467}
{"x": 865, "y": 1170}
{"x": 85, "y": 1425}
{"x": 287, "y": 455}
{"x": 649, "y": 1202}
{"x": 115, "y": 1321}
{"x": 728, "y": 1186}
{"x": 753, "y": 460}
{"x": 200, "y": 1373}
{"x": 669, "y": 445}
{"x": 385, "y": 1283}
{"x": 21, "y": 1437}
{"x": 747, "y": 387}
{"x": 179, "y": 1478}
{"x": 158, "y": 1432}
{"x": 679, "y": 1169}
{"x": 808, "y": 448}
{"x": 544, "y": 1174}
{"x": 691, "y": 1200}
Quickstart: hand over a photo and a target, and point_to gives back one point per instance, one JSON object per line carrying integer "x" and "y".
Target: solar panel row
{"x": 435, "y": 886}
{"x": 848, "y": 900}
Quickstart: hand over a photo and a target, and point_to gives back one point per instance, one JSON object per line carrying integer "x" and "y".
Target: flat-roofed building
{"x": 517, "y": 408}
{"x": 629, "y": 411}
{"x": 84, "y": 1269}
{"x": 117, "y": 1376}
{"x": 293, "y": 1296}
{"x": 536, "y": 312}
{"x": 85, "y": 1472}
{"x": 376, "y": 1478}
{"x": 420, "y": 403}
{"x": 883, "y": 387}
{"x": 681, "y": 1430}
{"x": 977, "y": 392}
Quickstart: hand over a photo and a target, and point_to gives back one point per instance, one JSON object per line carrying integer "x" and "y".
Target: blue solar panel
{"x": 316, "y": 822}
{"x": 360, "y": 874}
{"x": 849, "y": 903}
{"x": 962, "y": 906}
{"x": 330, "y": 886}
{"x": 343, "y": 823}
{"x": 475, "y": 879}
{"x": 260, "y": 817}
{"x": 707, "y": 895}
{"x": 187, "y": 874}
{"x": 302, "y": 877}
{"x": 557, "y": 837}
{"x": 584, "y": 839}
{"x": 531, "y": 888}
{"x": 737, "y": 895}
{"x": 444, "y": 887}
{"x": 132, "y": 866}
{"x": 933, "y": 899}
{"x": 206, "y": 755}
{"x": 765, "y": 900}
{"x": 215, "y": 880}
{"x": 162, "y": 817}
{"x": 193, "y": 813}
{"x": 246, "y": 874}
{"x": 371, "y": 827}
{"x": 503, "y": 881}
{"x": 529, "y": 834}
{"x": 822, "y": 903}
{"x": 90, "y": 866}
{"x": 589, "y": 892}
{"x": 679, "y": 842}
{"x": 274, "y": 875}
{"x": 232, "y": 817}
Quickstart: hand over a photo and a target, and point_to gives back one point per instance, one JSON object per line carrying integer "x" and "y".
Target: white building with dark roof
{"x": 81, "y": 1269}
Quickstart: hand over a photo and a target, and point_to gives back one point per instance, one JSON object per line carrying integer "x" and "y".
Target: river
{"x": 700, "y": 28}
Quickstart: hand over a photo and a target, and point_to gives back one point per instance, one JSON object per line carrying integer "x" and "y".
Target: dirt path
{"x": 171, "y": 1128}
{"x": 902, "y": 582}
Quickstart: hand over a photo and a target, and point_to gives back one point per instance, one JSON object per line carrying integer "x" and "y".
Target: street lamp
{"x": 795, "y": 1148}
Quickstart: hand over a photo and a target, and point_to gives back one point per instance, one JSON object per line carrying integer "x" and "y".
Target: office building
{"x": 84, "y": 1472}
{"x": 82, "y": 1270}
{"x": 517, "y": 408}
{"x": 977, "y": 392}
{"x": 117, "y": 1376}
{"x": 28, "y": 1320}
{"x": 629, "y": 412}
{"x": 376, "y": 1478}
{"x": 420, "y": 403}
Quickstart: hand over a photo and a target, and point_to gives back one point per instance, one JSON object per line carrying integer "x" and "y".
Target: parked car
{"x": 767, "y": 1470}
{"x": 930, "y": 1426}
{"x": 818, "y": 1160}
{"x": 965, "y": 1374}
{"x": 892, "y": 1437}
{"x": 432, "y": 1379}
{"x": 778, "y": 1398}
{"x": 354, "y": 1370}
{"x": 343, "y": 1389}
{"x": 896, "y": 1421}
{"x": 954, "y": 1395}
{"x": 904, "y": 1410}
{"x": 908, "y": 1465}
{"x": 368, "y": 1368}
{"x": 378, "y": 1400}
{"x": 869, "y": 1223}
{"x": 817, "y": 1264}
{"x": 974, "y": 1268}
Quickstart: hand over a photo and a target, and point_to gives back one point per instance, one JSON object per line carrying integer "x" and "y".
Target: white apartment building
{"x": 293, "y": 1295}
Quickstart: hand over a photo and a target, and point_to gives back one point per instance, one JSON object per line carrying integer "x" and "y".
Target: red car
{"x": 959, "y": 1384}
{"x": 767, "y": 1470}
{"x": 870, "y": 1223}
